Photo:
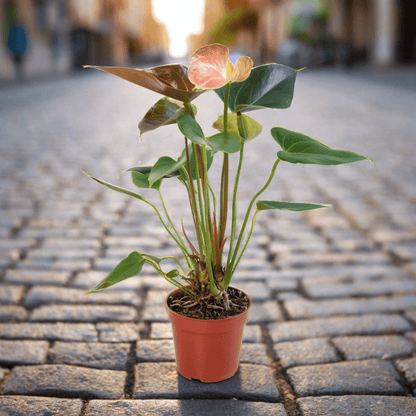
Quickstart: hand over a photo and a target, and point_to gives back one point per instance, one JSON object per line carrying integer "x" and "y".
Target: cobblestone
{"x": 40, "y": 295}
{"x": 408, "y": 368}
{"x": 358, "y": 406}
{"x": 91, "y": 354}
{"x": 53, "y": 331}
{"x": 385, "y": 346}
{"x": 65, "y": 380}
{"x": 12, "y": 313}
{"x": 36, "y": 277}
{"x": 253, "y": 382}
{"x": 355, "y": 377}
{"x": 310, "y": 351}
{"x": 364, "y": 324}
{"x": 83, "y": 313}
{"x": 303, "y": 308}
{"x": 11, "y": 294}
{"x": 40, "y": 406}
{"x": 119, "y": 332}
{"x": 183, "y": 408}
{"x": 23, "y": 352}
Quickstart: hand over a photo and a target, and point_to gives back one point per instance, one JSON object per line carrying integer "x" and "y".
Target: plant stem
{"x": 224, "y": 174}
{"x": 208, "y": 241}
{"x": 230, "y": 267}
{"x": 173, "y": 227}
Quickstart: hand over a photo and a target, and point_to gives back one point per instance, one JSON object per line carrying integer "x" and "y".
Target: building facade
{"x": 64, "y": 34}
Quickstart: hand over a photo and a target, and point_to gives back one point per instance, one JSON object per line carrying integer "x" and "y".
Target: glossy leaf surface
{"x": 166, "y": 166}
{"x": 163, "y": 113}
{"x": 191, "y": 129}
{"x": 268, "y": 86}
{"x": 169, "y": 80}
{"x": 130, "y": 266}
{"x": 252, "y": 127}
{"x": 288, "y": 206}
{"x": 224, "y": 142}
{"x": 141, "y": 180}
{"x": 300, "y": 148}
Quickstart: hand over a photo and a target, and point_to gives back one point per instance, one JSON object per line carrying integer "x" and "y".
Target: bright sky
{"x": 182, "y": 18}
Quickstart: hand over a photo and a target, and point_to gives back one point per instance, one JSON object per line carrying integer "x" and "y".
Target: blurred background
{"x": 42, "y": 38}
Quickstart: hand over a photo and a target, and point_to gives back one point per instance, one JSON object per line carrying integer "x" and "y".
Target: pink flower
{"x": 210, "y": 67}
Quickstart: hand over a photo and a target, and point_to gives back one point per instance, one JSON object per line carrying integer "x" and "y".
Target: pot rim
{"x": 165, "y": 302}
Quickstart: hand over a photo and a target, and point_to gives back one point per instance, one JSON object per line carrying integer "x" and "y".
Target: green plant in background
{"x": 242, "y": 88}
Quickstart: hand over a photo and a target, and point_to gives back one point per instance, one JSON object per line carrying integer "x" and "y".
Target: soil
{"x": 209, "y": 308}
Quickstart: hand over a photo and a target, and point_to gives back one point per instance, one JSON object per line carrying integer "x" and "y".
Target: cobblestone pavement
{"x": 332, "y": 330}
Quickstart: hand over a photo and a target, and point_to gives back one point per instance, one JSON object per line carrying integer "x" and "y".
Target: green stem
{"x": 224, "y": 175}
{"x": 173, "y": 227}
{"x": 230, "y": 266}
{"x": 182, "y": 247}
{"x": 208, "y": 253}
{"x": 247, "y": 240}
{"x": 199, "y": 186}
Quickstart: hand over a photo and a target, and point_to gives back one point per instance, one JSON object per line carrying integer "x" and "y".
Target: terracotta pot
{"x": 207, "y": 350}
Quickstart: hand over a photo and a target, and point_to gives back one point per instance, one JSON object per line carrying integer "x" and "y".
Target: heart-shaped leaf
{"x": 166, "y": 166}
{"x": 268, "y": 86}
{"x": 300, "y": 148}
{"x": 191, "y": 129}
{"x": 130, "y": 266}
{"x": 163, "y": 113}
{"x": 169, "y": 80}
{"x": 251, "y": 126}
{"x": 141, "y": 180}
{"x": 224, "y": 142}
{"x": 288, "y": 206}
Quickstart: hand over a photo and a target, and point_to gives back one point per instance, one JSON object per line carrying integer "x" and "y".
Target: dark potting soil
{"x": 209, "y": 308}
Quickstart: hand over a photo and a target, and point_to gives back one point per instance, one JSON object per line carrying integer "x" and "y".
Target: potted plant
{"x": 207, "y": 314}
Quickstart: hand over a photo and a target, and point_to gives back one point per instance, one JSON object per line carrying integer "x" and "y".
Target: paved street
{"x": 332, "y": 329}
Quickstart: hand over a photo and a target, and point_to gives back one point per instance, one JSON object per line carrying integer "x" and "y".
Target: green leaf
{"x": 167, "y": 167}
{"x": 141, "y": 180}
{"x": 252, "y": 127}
{"x": 224, "y": 142}
{"x": 131, "y": 266}
{"x": 172, "y": 273}
{"x": 288, "y": 206}
{"x": 191, "y": 129}
{"x": 116, "y": 188}
{"x": 163, "y": 113}
{"x": 300, "y": 148}
{"x": 268, "y": 86}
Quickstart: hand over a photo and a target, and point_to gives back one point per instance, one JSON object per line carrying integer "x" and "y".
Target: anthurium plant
{"x": 242, "y": 88}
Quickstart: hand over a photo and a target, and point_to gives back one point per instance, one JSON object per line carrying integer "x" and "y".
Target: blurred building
{"x": 316, "y": 31}
{"x": 63, "y": 34}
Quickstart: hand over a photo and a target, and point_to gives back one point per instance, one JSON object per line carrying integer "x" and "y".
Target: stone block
{"x": 358, "y": 406}
{"x": 12, "y": 313}
{"x": 23, "y": 352}
{"x": 39, "y": 406}
{"x": 119, "y": 331}
{"x": 309, "y": 351}
{"x": 303, "y": 308}
{"x": 37, "y": 277}
{"x": 83, "y": 313}
{"x": 353, "y": 377}
{"x": 162, "y": 381}
{"x": 155, "y": 351}
{"x": 90, "y": 354}
{"x": 11, "y": 293}
{"x": 337, "y": 326}
{"x": 363, "y": 347}
{"x": 65, "y": 380}
{"x": 264, "y": 312}
{"x": 54, "y": 331}
{"x": 183, "y": 408}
